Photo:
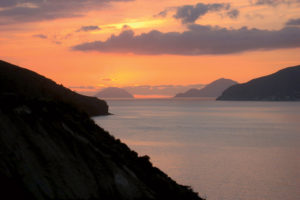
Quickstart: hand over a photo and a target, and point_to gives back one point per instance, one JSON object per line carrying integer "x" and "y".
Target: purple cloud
{"x": 274, "y": 2}
{"x": 190, "y": 13}
{"x": 198, "y": 40}
{"x": 293, "y": 22}
{"x": 20, "y": 11}
{"x": 88, "y": 28}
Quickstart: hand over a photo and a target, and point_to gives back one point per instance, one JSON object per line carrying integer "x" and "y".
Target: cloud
{"x": 162, "y": 13}
{"x": 42, "y": 36}
{"x": 274, "y": 2}
{"x": 166, "y": 90}
{"x": 165, "y": 12}
{"x": 293, "y": 22}
{"x": 233, "y": 14}
{"x": 83, "y": 87}
{"x": 88, "y": 28}
{"x": 162, "y": 90}
{"x": 19, "y": 11}
{"x": 85, "y": 90}
{"x": 270, "y": 2}
{"x": 57, "y": 42}
{"x": 7, "y": 3}
{"x": 126, "y": 27}
{"x": 190, "y": 13}
{"x": 198, "y": 40}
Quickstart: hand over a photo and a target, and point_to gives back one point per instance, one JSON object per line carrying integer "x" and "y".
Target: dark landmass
{"x": 213, "y": 89}
{"x": 21, "y": 81}
{"x": 51, "y": 150}
{"x": 114, "y": 92}
{"x": 283, "y": 85}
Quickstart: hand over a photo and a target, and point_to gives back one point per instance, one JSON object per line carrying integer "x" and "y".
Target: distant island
{"x": 114, "y": 92}
{"x": 213, "y": 89}
{"x": 16, "y": 80}
{"x": 283, "y": 85}
{"x": 52, "y": 150}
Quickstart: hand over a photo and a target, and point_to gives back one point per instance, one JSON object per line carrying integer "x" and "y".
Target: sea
{"x": 224, "y": 150}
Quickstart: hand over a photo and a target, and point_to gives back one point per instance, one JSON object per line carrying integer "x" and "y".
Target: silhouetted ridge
{"x": 14, "y": 79}
{"x": 213, "y": 89}
{"x": 114, "y": 92}
{"x": 283, "y": 85}
{"x": 50, "y": 150}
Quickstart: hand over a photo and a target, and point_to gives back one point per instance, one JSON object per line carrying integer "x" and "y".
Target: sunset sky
{"x": 100, "y": 43}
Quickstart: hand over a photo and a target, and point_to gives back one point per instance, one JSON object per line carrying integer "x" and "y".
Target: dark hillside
{"x": 17, "y": 80}
{"x": 52, "y": 150}
{"x": 283, "y": 85}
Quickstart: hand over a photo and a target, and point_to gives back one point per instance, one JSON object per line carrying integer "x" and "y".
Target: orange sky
{"x": 53, "y": 57}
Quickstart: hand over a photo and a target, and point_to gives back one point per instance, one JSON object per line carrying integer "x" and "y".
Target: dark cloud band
{"x": 19, "y": 11}
{"x": 274, "y": 2}
{"x": 198, "y": 40}
{"x": 293, "y": 22}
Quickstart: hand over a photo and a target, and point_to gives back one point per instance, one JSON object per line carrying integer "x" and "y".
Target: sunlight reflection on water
{"x": 224, "y": 150}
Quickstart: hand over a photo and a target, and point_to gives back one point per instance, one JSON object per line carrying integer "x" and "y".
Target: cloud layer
{"x": 270, "y": 2}
{"x": 198, "y": 40}
{"x": 18, "y": 11}
{"x": 166, "y": 90}
{"x": 274, "y": 2}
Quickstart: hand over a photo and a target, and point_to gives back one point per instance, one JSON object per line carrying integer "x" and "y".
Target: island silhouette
{"x": 213, "y": 89}
{"x": 114, "y": 93}
{"x": 283, "y": 85}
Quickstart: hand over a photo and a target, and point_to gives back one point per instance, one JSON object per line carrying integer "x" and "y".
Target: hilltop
{"x": 213, "y": 89}
{"x": 283, "y": 85}
{"x": 114, "y": 92}
{"x": 19, "y": 81}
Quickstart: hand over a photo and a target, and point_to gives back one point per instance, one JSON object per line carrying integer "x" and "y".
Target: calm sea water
{"x": 224, "y": 150}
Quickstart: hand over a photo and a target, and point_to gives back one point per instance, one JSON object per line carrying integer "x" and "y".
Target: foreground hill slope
{"x": 213, "y": 89}
{"x": 52, "y": 150}
{"x": 114, "y": 92}
{"x": 283, "y": 85}
{"x": 14, "y": 79}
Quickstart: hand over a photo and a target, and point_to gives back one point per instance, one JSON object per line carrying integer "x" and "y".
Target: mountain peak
{"x": 114, "y": 92}
{"x": 214, "y": 89}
